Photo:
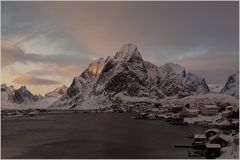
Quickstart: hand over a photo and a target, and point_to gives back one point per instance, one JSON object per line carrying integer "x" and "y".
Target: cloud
{"x": 163, "y": 32}
{"x": 69, "y": 70}
{"x": 215, "y": 68}
{"x": 28, "y": 80}
{"x": 12, "y": 53}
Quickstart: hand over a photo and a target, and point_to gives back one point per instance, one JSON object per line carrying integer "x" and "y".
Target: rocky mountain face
{"x": 231, "y": 87}
{"x": 22, "y": 95}
{"x": 128, "y": 76}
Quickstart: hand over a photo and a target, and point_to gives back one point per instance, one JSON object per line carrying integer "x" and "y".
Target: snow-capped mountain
{"x": 21, "y": 95}
{"x": 22, "y": 98}
{"x": 126, "y": 74}
{"x": 12, "y": 98}
{"x": 5, "y": 88}
{"x": 231, "y": 87}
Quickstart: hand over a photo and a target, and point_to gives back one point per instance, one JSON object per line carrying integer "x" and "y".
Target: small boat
{"x": 140, "y": 116}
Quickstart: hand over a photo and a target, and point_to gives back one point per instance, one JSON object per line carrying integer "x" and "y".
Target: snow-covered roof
{"x": 209, "y": 145}
{"x": 227, "y": 111}
{"x": 211, "y": 106}
{"x": 202, "y": 136}
{"x": 212, "y": 129}
{"x": 192, "y": 110}
{"x": 229, "y": 107}
{"x": 236, "y": 121}
{"x": 225, "y": 138}
{"x": 236, "y": 136}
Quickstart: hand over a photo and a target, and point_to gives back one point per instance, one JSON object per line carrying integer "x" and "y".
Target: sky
{"x": 46, "y": 44}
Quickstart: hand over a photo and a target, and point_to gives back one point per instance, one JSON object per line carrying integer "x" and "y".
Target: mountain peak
{"x": 231, "y": 87}
{"x": 4, "y": 85}
{"x": 127, "y": 51}
{"x": 58, "y": 91}
{"x": 23, "y": 88}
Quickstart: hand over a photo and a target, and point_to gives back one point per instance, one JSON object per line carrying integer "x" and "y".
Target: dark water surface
{"x": 92, "y": 135}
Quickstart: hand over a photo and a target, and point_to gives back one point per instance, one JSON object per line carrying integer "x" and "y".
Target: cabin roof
{"x": 192, "y": 110}
{"x": 217, "y": 136}
{"x": 209, "y": 145}
{"x": 212, "y": 130}
{"x": 211, "y": 106}
{"x": 229, "y": 107}
{"x": 202, "y": 136}
{"x": 227, "y": 111}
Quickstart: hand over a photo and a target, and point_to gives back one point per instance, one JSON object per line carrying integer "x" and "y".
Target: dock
{"x": 183, "y": 146}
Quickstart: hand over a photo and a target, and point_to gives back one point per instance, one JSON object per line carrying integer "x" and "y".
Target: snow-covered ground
{"x": 232, "y": 150}
{"x": 43, "y": 103}
{"x": 201, "y": 118}
{"x": 210, "y": 98}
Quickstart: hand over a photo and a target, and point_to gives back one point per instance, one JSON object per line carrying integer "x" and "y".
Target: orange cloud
{"x": 70, "y": 70}
{"x": 28, "y": 80}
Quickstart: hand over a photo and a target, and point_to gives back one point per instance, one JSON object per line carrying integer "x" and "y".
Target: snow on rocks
{"x": 232, "y": 85}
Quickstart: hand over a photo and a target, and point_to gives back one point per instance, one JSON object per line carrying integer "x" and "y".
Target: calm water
{"x": 92, "y": 135}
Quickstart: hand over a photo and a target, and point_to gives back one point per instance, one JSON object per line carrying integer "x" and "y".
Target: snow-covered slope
{"x": 81, "y": 86}
{"x": 127, "y": 75}
{"x": 210, "y": 98}
{"x": 231, "y": 87}
{"x": 215, "y": 88}
{"x": 58, "y": 91}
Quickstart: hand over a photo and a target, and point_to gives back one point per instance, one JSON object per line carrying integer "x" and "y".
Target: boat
{"x": 140, "y": 116}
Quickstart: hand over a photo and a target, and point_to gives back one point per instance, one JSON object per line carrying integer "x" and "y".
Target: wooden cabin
{"x": 209, "y": 110}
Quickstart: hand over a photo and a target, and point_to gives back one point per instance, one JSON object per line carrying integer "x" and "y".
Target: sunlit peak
{"x": 95, "y": 69}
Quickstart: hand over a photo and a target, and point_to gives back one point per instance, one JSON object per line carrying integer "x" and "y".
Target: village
{"x": 221, "y": 137}
{"x": 215, "y": 144}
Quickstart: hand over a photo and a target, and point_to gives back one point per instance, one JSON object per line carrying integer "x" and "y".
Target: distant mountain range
{"x": 22, "y": 98}
{"x": 123, "y": 77}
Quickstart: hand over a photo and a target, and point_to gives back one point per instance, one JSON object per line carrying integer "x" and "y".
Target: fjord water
{"x": 92, "y": 135}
